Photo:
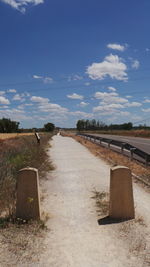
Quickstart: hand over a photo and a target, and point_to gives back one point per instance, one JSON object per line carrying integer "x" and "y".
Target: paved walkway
{"x": 76, "y": 239}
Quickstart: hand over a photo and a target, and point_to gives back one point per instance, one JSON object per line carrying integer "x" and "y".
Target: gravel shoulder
{"x": 75, "y": 237}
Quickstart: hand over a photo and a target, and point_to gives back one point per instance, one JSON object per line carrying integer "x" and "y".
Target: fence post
{"x": 122, "y": 147}
{"x": 37, "y": 137}
{"x": 109, "y": 143}
{"x": 131, "y": 152}
{"x": 121, "y": 193}
{"x": 28, "y": 203}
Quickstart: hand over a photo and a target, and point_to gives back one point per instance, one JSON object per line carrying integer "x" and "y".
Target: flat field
{"x": 13, "y": 135}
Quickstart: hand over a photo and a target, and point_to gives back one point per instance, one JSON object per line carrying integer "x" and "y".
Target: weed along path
{"x": 75, "y": 238}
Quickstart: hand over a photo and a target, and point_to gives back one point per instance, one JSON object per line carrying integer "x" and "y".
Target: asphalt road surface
{"x": 141, "y": 143}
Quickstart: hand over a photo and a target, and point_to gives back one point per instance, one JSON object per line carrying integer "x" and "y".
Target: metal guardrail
{"x": 122, "y": 145}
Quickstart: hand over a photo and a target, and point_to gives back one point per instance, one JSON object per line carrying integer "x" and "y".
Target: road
{"x": 141, "y": 143}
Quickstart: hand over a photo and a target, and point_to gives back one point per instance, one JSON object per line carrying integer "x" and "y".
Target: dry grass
{"x": 21, "y": 241}
{"x": 13, "y": 135}
{"x": 114, "y": 158}
{"x": 135, "y": 133}
{"x": 15, "y": 154}
{"x": 102, "y": 202}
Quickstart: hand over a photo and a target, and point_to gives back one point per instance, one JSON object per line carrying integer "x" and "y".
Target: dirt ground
{"x": 75, "y": 238}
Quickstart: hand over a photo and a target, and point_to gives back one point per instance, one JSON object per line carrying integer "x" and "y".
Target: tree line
{"x": 86, "y": 125}
{"x": 9, "y": 126}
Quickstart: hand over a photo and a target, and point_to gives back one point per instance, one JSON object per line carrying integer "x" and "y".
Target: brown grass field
{"x": 13, "y": 135}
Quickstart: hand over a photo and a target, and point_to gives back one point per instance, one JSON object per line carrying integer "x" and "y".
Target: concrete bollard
{"x": 28, "y": 203}
{"x": 121, "y": 194}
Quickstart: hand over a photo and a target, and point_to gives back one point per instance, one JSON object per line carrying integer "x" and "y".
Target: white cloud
{"x": 5, "y": 107}
{"x": 22, "y": 106}
{"x": 108, "y": 108}
{"x": 45, "y": 79}
{"x": 17, "y": 97}
{"x": 28, "y": 104}
{"x": 11, "y": 91}
{"x": 14, "y": 114}
{"x": 74, "y": 77}
{"x": 22, "y": 4}
{"x": 87, "y": 84}
{"x": 53, "y": 108}
{"x": 37, "y": 77}
{"x": 146, "y": 109}
{"x": 117, "y": 47}
{"x": 81, "y": 114}
{"x": 39, "y": 99}
{"x": 2, "y": 92}
{"x": 77, "y": 77}
{"x": 112, "y": 66}
{"x": 27, "y": 94}
{"x": 4, "y": 100}
{"x": 147, "y": 101}
{"x": 133, "y": 104}
{"x": 45, "y": 106}
{"x": 75, "y": 96}
{"x": 110, "y": 88}
{"x": 135, "y": 64}
{"x": 135, "y": 118}
{"x": 110, "y": 97}
{"x": 48, "y": 80}
{"x": 83, "y": 104}
{"x": 112, "y": 103}
{"x": 124, "y": 113}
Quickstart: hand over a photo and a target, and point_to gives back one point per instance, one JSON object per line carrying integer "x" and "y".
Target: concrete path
{"x": 75, "y": 238}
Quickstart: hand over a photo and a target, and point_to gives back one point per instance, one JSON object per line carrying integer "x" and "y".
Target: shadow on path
{"x": 109, "y": 220}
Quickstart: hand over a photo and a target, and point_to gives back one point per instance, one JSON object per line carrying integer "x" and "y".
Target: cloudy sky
{"x": 61, "y": 61}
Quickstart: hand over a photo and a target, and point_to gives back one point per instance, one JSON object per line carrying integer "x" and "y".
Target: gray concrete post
{"x": 121, "y": 193}
{"x": 28, "y": 203}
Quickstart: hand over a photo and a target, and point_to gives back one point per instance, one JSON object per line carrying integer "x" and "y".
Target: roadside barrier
{"x": 28, "y": 203}
{"x": 132, "y": 150}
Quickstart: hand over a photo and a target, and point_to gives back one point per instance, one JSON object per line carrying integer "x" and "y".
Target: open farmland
{"x": 13, "y": 135}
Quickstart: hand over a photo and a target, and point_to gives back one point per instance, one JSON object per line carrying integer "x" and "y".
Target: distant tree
{"x": 127, "y": 126}
{"x": 49, "y": 127}
{"x": 8, "y": 126}
{"x": 80, "y": 125}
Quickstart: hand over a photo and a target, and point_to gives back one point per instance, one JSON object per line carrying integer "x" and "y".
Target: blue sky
{"x": 61, "y": 61}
